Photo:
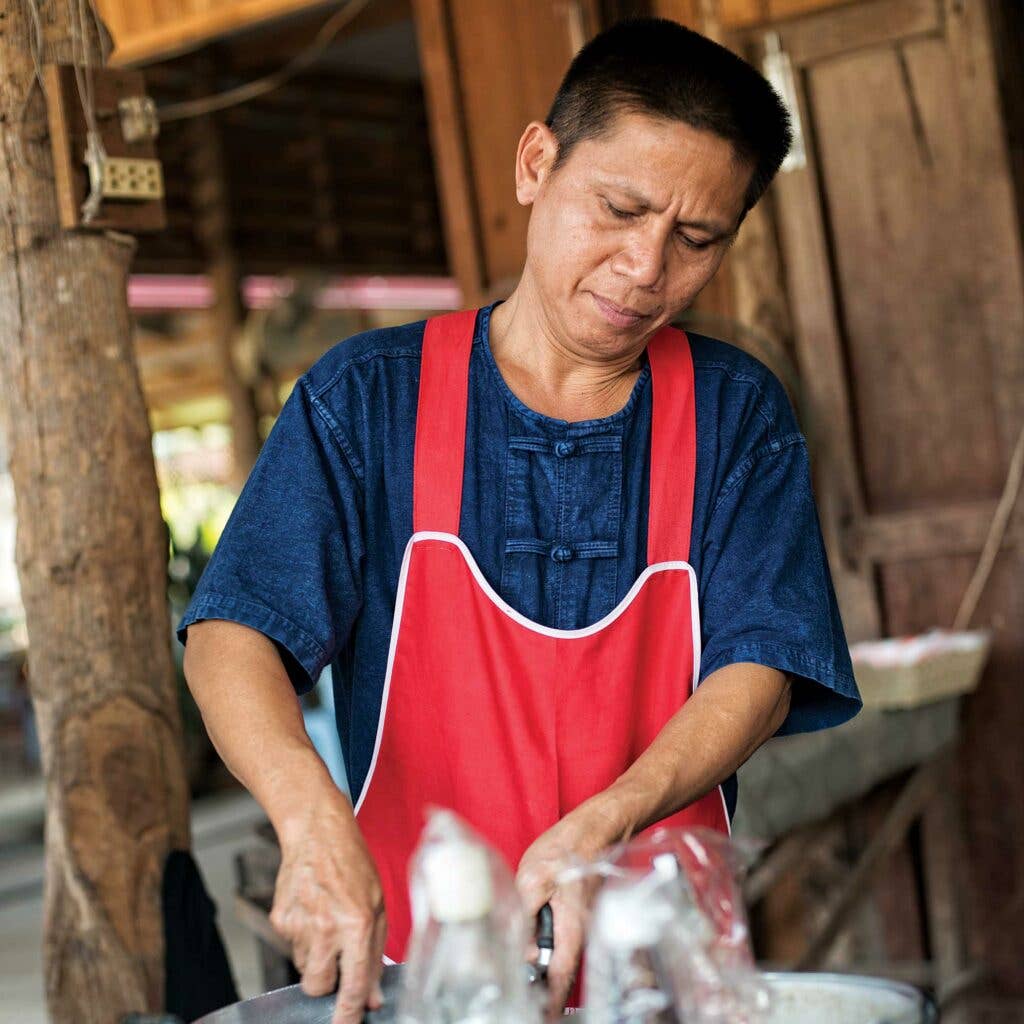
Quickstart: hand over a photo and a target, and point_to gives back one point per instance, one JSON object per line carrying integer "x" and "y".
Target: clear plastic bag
{"x": 465, "y": 962}
{"x": 668, "y": 938}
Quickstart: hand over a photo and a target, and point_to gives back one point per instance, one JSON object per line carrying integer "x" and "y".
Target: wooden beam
{"x": 909, "y": 806}
{"x": 211, "y": 203}
{"x": 828, "y": 420}
{"x": 923, "y": 533}
{"x": 841, "y": 30}
{"x": 179, "y": 26}
{"x": 451, "y": 158}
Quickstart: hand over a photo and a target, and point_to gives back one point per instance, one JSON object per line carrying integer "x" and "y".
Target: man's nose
{"x": 642, "y": 259}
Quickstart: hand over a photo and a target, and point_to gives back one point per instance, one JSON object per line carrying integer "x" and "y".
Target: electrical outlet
{"x": 134, "y": 179}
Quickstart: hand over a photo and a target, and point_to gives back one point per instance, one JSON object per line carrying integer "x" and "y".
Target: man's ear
{"x": 535, "y": 157}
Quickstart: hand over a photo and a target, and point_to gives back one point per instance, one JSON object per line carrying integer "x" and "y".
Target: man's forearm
{"x": 254, "y": 720}
{"x": 729, "y": 716}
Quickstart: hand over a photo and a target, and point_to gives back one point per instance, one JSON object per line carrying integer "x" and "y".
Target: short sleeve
{"x": 289, "y": 560}
{"x": 766, "y": 590}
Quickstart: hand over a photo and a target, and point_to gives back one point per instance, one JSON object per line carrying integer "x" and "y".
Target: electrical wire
{"x": 95, "y": 153}
{"x": 261, "y": 86}
{"x": 35, "y": 46}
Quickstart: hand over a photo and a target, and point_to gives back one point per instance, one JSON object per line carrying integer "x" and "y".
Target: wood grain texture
{"x": 912, "y": 212}
{"x": 211, "y": 205}
{"x": 146, "y": 31}
{"x": 92, "y": 556}
{"x": 828, "y": 418}
{"x": 456, "y": 183}
{"x": 903, "y": 256}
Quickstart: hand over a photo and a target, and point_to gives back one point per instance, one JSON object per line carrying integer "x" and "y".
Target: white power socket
{"x": 125, "y": 178}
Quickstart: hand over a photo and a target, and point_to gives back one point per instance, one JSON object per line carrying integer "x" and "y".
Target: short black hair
{"x": 657, "y": 67}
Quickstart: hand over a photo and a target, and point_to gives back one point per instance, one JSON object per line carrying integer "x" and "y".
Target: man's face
{"x": 629, "y": 229}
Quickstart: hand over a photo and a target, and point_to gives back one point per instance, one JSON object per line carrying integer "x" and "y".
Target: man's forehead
{"x": 646, "y": 159}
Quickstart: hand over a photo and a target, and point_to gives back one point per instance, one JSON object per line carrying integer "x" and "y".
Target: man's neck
{"x": 546, "y": 374}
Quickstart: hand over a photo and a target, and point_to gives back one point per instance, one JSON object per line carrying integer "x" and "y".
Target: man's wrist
{"x": 301, "y": 791}
{"x": 611, "y": 816}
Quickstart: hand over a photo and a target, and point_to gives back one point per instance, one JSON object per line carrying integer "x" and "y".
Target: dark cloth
{"x": 197, "y": 972}
{"x": 312, "y": 552}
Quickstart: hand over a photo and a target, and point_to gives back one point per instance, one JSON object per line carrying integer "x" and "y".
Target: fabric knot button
{"x": 561, "y": 553}
{"x": 563, "y": 449}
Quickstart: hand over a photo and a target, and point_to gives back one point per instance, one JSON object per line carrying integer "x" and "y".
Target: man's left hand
{"x": 579, "y": 836}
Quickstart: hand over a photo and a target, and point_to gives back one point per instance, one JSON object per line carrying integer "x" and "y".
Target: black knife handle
{"x": 545, "y": 937}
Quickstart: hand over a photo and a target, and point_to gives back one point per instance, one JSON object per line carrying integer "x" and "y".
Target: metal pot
{"x": 797, "y": 999}
{"x": 291, "y": 1006}
{"x": 846, "y": 999}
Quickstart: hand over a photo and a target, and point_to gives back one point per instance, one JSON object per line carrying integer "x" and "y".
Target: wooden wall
{"x": 888, "y": 269}
{"x": 145, "y": 30}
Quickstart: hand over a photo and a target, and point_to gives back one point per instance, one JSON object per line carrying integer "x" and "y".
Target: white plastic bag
{"x": 668, "y": 938}
{"x": 465, "y": 963}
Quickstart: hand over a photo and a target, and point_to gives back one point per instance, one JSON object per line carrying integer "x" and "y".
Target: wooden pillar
{"x": 210, "y": 203}
{"x": 92, "y": 558}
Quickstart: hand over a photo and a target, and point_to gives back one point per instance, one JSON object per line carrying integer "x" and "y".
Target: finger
{"x": 300, "y": 954}
{"x": 380, "y": 934}
{"x": 565, "y": 958}
{"x": 320, "y": 974}
{"x": 357, "y": 965}
{"x": 535, "y": 888}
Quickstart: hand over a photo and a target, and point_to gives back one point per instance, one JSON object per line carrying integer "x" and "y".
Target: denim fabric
{"x": 555, "y": 514}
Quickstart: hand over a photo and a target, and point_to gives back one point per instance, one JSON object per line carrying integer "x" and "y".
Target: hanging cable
{"x": 95, "y": 153}
{"x": 35, "y": 46}
{"x": 261, "y": 86}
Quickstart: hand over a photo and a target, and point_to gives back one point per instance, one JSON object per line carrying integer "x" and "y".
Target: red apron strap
{"x": 673, "y": 447}
{"x": 441, "y": 422}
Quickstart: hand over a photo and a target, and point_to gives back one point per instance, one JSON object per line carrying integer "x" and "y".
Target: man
{"x": 522, "y": 536}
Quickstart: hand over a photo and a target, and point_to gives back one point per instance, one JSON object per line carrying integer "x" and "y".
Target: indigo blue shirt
{"x": 555, "y": 514}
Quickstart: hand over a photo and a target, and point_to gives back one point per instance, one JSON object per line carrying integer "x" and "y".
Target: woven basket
{"x": 937, "y": 676}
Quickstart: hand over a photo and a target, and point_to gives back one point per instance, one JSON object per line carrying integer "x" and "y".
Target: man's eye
{"x": 616, "y": 212}
{"x": 691, "y": 243}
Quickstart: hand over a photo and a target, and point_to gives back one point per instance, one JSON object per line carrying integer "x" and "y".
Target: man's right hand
{"x": 328, "y": 903}
{"x": 328, "y": 900}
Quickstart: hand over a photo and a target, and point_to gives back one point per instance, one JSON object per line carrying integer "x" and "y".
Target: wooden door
{"x": 489, "y": 68}
{"x": 902, "y": 248}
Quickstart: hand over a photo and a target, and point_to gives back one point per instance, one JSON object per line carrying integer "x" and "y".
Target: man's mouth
{"x": 619, "y": 316}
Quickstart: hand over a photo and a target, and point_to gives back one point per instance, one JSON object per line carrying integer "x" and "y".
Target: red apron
{"x": 507, "y": 722}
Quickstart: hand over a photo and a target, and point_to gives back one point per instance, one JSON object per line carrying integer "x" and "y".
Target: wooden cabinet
{"x": 489, "y": 68}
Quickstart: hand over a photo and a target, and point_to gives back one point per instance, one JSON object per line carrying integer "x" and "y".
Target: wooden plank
{"x": 998, "y": 301}
{"x": 856, "y": 26}
{"x": 914, "y": 305}
{"x": 908, "y": 808}
{"x": 448, "y": 135}
{"x": 828, "y": 418}
{"x": 686, "y": 12}
{"x": 180, "y": 25}
{"x": 524, "y": 66}
{"x": 925, "y": 533}
{"x": 942, "y": 855}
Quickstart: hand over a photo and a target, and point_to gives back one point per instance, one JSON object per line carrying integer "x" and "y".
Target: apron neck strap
{"x": 673, "y": 447}
{"x": 441, "y": 422}
{"x": 441, "y": 434}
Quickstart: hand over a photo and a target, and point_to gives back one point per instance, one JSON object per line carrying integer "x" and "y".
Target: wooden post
{"x": 92, "y": 555}
{"x": 213, "y": 228}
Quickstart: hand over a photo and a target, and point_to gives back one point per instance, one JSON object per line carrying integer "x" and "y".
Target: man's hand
{"x": 729, "y": 716}
{"x": 579, "y": 836}
{"x": 328, "y": 903}
{"x": 328, "y": 900}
